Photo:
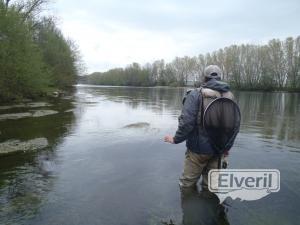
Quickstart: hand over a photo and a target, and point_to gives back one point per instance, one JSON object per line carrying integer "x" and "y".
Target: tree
{"x": 59, "y": 54}
{"x": 21, "y": 65}
{"x": 275, "y": 65}
{"x": 34, "y": 55}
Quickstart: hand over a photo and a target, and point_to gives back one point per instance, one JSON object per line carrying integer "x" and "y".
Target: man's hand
{"x": 169, "y": 139}
{"x": 226, "y": 153}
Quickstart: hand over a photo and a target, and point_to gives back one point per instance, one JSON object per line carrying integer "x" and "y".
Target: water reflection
{"x": 202, "y": 208}
{"x": 24, "y": 189}
{"x": 107, "y": 163}
{"x": 271, "y": 116}
{"x": 155, "y": 99}
{"x": 268, "y": 115}
{"x": 26, "y": 178}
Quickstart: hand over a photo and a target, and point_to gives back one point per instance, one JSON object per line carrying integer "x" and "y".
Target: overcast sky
{"x": 115, "y": 33}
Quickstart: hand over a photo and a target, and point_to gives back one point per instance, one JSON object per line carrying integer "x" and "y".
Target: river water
{"x": 107, "y": 163}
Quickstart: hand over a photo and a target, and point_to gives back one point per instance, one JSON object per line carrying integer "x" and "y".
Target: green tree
{"x": 58, "y": 53}
{"x": 34, "y": 55}
{"x": 22, "y": 71}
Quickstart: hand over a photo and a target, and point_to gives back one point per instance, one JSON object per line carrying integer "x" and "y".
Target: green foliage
{"x": 34, "y": 56}
{"x": 57, "y": 53}
{"x": 21, "y": 67}
{"x": 133, "y": 75}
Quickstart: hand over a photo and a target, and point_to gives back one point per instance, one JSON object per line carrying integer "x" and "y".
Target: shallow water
{"x": 107, "y": 163}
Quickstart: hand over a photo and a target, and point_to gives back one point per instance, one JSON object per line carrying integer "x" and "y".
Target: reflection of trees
{"x": 155, "y": 99}
{"x": 274, "y": 115}
{"x": 26, "y": 178}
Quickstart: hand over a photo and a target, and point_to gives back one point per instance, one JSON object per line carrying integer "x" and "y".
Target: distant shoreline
{"x": 182, "y": 87}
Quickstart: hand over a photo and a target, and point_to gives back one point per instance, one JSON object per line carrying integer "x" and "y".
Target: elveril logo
{"x": 245, "y": 184}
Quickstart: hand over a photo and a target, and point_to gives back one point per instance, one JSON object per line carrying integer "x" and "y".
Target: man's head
{"x": 212, "y": 72}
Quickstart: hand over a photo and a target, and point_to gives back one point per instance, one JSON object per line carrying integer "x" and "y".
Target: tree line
{"x": 273, "y": 66}
{"x": 35, "y": 57}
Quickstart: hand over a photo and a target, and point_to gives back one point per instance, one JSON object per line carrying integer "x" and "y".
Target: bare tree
{"x": 28, "y": 8}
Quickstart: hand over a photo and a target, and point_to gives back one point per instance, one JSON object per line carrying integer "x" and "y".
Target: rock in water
{"x": 27, "y": 105}
{"x": 32, "y": 113}
{"x": 38, "y": 104}
{"x": 39, "y": 113}
{"x": 137, "y": 125}
{"x": 11, "y": 146}
{"x": 15, "y": 116}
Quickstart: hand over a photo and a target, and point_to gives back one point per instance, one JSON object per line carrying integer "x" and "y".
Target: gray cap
{"x": 213, "y": 71}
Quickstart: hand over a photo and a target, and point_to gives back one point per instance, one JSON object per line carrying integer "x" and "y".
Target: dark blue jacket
{"x": 196, "y": 139}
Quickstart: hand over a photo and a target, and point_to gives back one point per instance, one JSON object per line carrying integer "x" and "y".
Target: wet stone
{"x": 138, "y": 125}
{"x": 33, "y": 113}
{"x": 27, "y": 105}
{"x": 40, "y": 113}
{"x": 12, "y": 146}
{"x": 15, "y": 116}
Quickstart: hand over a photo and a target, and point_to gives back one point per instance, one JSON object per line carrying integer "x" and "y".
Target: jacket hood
{"x": 216, "y": 85}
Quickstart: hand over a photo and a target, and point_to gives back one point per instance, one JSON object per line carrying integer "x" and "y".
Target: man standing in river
{"x": 200, "y": 156}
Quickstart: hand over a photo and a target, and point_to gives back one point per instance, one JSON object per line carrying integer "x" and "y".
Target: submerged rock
{"x": 138, "y": 125}
{"x": 12, "y": 106}
{"x": 141, "y": 127}
{"x": 33, "y": 113}
{"x": 15, "y": 116}
{"x": 27, "y": 105}
{"x": 39, "y": 113}
{"x": 58, "y": 93}
{"x": 11, "y": 146}
{"x": 38, "y": 104}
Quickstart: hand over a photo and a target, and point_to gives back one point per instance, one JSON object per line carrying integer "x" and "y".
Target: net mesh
{"x": 221, "y": 122}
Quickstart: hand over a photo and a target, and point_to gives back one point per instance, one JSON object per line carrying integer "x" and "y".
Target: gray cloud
{"x": 198, "y": 25}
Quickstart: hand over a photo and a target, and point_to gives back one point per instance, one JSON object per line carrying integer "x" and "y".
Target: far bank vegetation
{"x": 274, "y": 66}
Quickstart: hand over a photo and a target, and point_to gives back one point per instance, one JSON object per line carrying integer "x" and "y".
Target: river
{"x": 107, "y": 164}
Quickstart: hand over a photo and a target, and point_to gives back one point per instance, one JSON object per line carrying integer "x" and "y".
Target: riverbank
{"x": 290, "y": 90}
{"x": 46, "y": 95}
{"x": 35, "y": 60}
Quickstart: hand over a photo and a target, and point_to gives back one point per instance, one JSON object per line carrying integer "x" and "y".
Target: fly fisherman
{"x": 200, "y": 155}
